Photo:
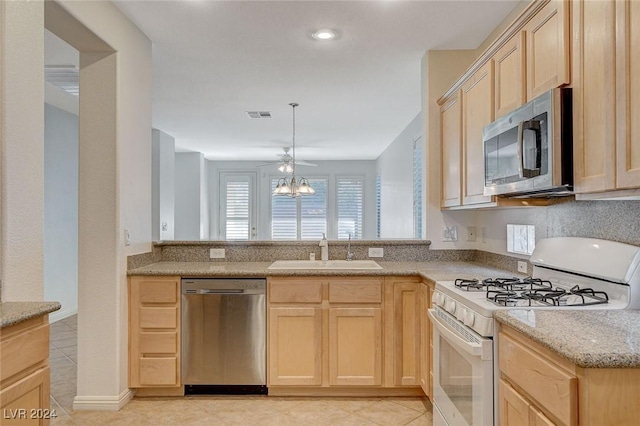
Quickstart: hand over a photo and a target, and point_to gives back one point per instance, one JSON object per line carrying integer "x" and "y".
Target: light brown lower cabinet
{"x": 355, "y": 346}
{"x": 350, "y": 335}
{"x": 538, "y": 387}
{"x": 295, "y": 346}
{"x": 426, "y": 341}
{"x": 24, "y": 374}
{"x": 154, "y": 335}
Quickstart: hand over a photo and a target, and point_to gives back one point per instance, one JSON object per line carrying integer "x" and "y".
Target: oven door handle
{"x": 474, "y": 349}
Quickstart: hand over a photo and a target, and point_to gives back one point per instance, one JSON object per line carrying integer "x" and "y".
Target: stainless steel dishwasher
{"x": 224, "y": 335}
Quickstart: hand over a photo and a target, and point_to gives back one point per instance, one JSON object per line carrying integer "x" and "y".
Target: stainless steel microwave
{"x": 529, "y": 152}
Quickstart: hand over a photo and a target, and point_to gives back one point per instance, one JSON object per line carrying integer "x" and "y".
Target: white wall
{"x": 163, "y": 184}
{"x": 395, "y": 168}
{"x": 189, "y": 170}
{"x": 114, "y": 184}
{"x": 61, "y": 210}
{"x": 439, "y": 70}
{"x": 328, "y": 169}
{"x": 22, "y": 150}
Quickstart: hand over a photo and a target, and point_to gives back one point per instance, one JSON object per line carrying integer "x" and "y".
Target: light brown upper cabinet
{"x": 510, "y": 82}
{"x": 451, "y": 131}
{"x": 606, "y": 75}
{"x": 628, "y": 93}
{"x": 594, "y": 101}
{"x": 547, "y": 35}
{"x": 477, "y": 112}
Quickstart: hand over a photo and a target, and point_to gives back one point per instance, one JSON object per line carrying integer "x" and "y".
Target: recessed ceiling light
{"x": 324, "y": 34}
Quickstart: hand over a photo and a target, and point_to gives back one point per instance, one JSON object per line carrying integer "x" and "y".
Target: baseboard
{"x": 102, "y": 403}
{"x": 62, "y": 314}
{"x": 338, "y": 391}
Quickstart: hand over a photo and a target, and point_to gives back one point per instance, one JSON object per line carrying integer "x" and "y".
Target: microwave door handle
{"x": 520, "y": 145}
{"x": 532, "y": 125}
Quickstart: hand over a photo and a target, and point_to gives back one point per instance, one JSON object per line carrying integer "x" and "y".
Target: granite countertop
{"x": 12, "y": 313}
{"x": 588, "y": 338}
{"x": 435, "y": 271}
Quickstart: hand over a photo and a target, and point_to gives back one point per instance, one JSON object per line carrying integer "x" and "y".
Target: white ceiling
{"x": 214, "y": 60}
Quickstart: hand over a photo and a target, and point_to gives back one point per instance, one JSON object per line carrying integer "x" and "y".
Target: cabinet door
{"x": 451, "y": 135}
{"x": 355, "y": 346}
{"x": 406, "y": 333}
{"x": 514, "y": 409}
{"x": 628, "y": 93}
{"x": 295, "y": 346}
{"x": 594, "y": 116}
{"x": 536, "y": 418}
{"x": 32, "y": 392}
{"x": 548, "y": 48}
{"x": 477, "y": 112}
{"x": 425, "y": 344}
{"x": 510, "y": 82}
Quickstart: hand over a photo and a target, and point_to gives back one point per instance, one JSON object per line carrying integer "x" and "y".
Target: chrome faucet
{"x": 350, "y": 254}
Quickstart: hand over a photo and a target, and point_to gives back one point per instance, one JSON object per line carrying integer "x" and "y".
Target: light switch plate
{"x": 450, "y": 233}
{"x": 216, "y": 254}
{"x": 376, "y": 252}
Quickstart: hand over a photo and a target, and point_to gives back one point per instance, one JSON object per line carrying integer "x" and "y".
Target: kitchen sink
{"x": 329, "y": 264}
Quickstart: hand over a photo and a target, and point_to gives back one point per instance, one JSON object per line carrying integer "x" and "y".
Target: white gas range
{"x": 568, "y": 273}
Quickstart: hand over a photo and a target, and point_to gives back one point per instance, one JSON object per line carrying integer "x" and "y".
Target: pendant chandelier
{"x": 293, "y": 187}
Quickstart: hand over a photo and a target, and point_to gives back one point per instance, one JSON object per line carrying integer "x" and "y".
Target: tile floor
{"x": 209, "y": 410}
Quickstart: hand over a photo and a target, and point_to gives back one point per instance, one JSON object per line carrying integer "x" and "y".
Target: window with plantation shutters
{"x": 236, "y": 211}
{"x": 313, "y": 211}
{"x": 299, "y": 218}
{"x": 350, "y": 206}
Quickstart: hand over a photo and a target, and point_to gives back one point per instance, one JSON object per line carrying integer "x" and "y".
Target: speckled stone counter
{"x": 16, "y": 312}
{"x": 588, "y": 338}
{"x": 436, "y": 271}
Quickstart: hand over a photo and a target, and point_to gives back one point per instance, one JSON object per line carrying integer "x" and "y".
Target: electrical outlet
{"x": 127, "y": 236}
{"x": 376, "y": 252}
{"x": 216, "y": 254}
{"x": 450, "y": 233}
{"x": 164, "y": 226}
{"x": 522, "y": 266}
{"x": 471, "y": 234}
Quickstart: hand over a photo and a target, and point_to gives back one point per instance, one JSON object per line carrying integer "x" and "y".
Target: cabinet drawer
{"x": 158, "y": 343}
{"x": 549, "y": 386}
{"x": 295, "y": 291}
{"x": 24, "y": 350}
{"x": 159, "y": 317}
{"x": 364, "y": 290}
{"x": 158, "y": 291}
{"x": 159, "y": 371}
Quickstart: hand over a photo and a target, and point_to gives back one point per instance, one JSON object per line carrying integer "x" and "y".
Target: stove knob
{"x": 461, "y": 314}
{"x": 451, "y": 306}
{"x": 439, "y": 299}
{"x": 469, "y": 318}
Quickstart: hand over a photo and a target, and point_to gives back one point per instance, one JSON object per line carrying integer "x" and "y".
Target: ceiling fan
{"x": 285, "y": 165}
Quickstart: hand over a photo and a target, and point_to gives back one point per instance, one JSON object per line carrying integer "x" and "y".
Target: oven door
{"x": 462, "y": 373}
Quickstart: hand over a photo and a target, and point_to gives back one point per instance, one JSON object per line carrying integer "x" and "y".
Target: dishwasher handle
{"x": 214, "y": 291}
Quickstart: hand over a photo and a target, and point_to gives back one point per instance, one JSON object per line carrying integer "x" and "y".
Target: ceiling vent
{"x": 259, "y": 114}
{"x": 65, "y": 77}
